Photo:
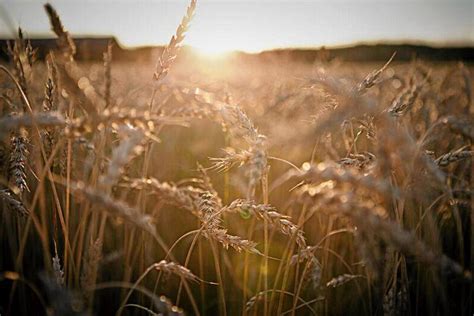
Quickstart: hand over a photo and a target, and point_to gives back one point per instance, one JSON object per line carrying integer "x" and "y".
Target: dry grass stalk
{"x": 395, "y": 304}
{"x": 114, "y": 117}
{"x": 65, "y": 42}
{"x": 170, "y": 52}
{"x": 367, "y": 125}
{"x": 270, "y": 214}
{"x": 404, "y": 100}
{"x": 342, "y": 279}
{"x": 234, "y": 119}
{"x": 122, "y": 154}
{"x": 49, "y": 95}
{"x": 184, "y": 197}
{"x": 360, "y": 161}
{"x": 239, "y": 124}
{"x": 254, "y": 299}
{"x": 203, "y": 204}
{"x": 257, "y": 164}
{"x": 49, "y": 104}
{"x": 210, "y": 213}
{"x": 18, "y": 160}
{"x": 108, "y": 73}
{"x": 326, "y": 171}
{"x": 13, "y": 202}
{"x": 90, "y": 266}
{"x": 210, "y": 210}
{"x": 454, "y": 156}
{"x": 177, "y": 269}
{"x": 208, "y": 186}
{"x": 23, "y": 56}
{"x": 368, "y": 218}
{"x": 230, "y": 159}
{"x": 238, "y": 243}
{"x": 45, "y": 119}
{"x": 116, "y": 208}
{"x": 407, "y": 97}
{"x": 57, "y": 269}
{"x": 372, "y": 79}
{"x": 313, "y": 268}
{"x": 52, "y": 85}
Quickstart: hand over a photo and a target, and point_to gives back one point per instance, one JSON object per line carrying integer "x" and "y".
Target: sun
{"x": 212, "y": 35}
{"x": 210, "y": 49}
{"x": 212, "y": 43}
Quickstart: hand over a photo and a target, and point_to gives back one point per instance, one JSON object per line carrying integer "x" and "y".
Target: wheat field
{"x": 198, "y": 187}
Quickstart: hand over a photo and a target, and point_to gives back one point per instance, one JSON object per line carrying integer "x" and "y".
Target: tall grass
{"x": 331, "y": 188}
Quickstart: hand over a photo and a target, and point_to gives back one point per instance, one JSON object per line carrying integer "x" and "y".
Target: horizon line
{"x": 399, "y": 42}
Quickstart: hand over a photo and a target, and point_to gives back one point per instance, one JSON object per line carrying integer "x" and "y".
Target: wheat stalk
{"x": 117, "y": 208}
{"x": 13, "y": 202}
{"x": 174, "y": 268}
{"x": 65, "y": 41}
{"x": 270, "y": 214}
{"x": 18, "y": 159}
{"x": 454, "y": 156}
{"x": 372, "y": 78}
{"x": 342, "y": 279}
{"x": 171, "y": 51}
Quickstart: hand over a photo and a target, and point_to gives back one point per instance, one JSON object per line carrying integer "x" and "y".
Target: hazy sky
{"x": 253, "y": 25}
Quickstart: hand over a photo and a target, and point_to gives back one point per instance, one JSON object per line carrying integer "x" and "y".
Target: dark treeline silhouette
{"x": 91, "y": 49}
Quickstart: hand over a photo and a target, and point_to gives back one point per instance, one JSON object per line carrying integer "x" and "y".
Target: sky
{"x": 221, "y": 25}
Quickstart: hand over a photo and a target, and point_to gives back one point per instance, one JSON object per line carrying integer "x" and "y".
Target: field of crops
{"x": 233, "y": 186}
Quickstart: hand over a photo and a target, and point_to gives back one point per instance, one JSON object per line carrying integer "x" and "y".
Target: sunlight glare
{"x": 212, "y": 50}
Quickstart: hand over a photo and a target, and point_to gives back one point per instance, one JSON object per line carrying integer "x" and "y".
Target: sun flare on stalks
{"x": 274, "y": 185}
